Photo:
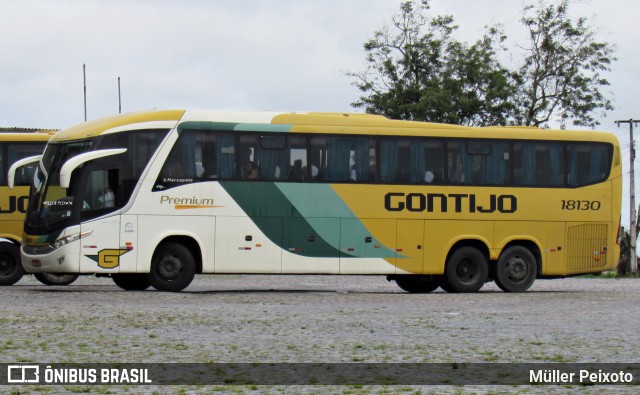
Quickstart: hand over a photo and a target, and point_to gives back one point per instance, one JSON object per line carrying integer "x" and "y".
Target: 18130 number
{"x": 581, "y": 205}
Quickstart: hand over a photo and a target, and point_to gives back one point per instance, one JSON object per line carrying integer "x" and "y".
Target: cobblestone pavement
{"x": 318, "y": 319}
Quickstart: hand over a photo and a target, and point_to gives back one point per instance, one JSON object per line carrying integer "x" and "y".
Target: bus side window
{"x": 100, "y": 193}
{"x": 588, "y": 163}
{"x": 345, "y": 159}
{"x": 24, "y": 174}
{"x": 298, "y": 171}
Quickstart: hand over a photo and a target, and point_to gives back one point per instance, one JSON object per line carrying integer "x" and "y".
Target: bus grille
{"x": 586, "y": 247}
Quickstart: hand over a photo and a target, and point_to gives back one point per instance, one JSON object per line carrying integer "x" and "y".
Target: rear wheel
{"x": 11, "y": 269}
{"x": 416, "y": 283}
{"x": 173, "y": 267}
{"x": 55, "y": 279}
{"x": 131, "y": 281}
{"x": 516, "y": 269}
{"x": 467, "y": 270}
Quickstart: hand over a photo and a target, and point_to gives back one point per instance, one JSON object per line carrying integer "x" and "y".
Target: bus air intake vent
{"x": 587, "y": 247}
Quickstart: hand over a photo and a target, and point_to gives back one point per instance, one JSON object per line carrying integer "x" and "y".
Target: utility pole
{"x": 84, "y": 79}
{"x": 633, "y": 260}
{"x": 119, "y": 98}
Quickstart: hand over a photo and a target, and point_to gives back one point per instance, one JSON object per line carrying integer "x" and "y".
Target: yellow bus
{"x": 14, "y": 148}
{"x": 153, "y": 198}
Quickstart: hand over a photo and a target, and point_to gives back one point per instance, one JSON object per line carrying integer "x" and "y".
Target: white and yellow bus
{"x": 153, "y": 198}
{"x": 14, "y": 148}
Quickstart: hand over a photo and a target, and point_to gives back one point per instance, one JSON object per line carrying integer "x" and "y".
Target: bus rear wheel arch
{"x": 516, "y": 269}
{"x": 467, "y": 270}
{"x": 172, "y": 268}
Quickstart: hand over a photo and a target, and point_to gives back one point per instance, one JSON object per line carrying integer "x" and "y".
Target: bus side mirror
{"x": 73, "y": 163}
{"x": 11, "y": 177}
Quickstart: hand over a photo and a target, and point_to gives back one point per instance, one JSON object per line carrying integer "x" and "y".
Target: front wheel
{"x": 467, "y": 270}
{"x": 11, "y": 270}
{"x": 417, "y": 283}
{"x": 173, "y": 267}
{"x": 55, "y": 279}
{"x": 516, "y": 269}
{"x": 131, "y": 281}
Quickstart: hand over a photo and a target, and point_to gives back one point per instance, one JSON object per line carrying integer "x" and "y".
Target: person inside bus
{"x": 297, "y": 172}
{"x": 428, "y": 176}
{"x": 250, "y": 171}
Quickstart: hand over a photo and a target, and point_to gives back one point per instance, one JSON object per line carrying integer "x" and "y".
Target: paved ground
{"x": 318, "y": 319}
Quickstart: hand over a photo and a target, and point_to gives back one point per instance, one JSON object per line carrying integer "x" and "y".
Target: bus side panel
{"x": 305, "y": 250}
{"x": 13, "y": 206}
{"x": 360, "y": 251}
{"x": 410, "y": 246}
{"x": 243, "y": 248}
{"x": 441, "y": 235}
{"x": 129, "y": 242}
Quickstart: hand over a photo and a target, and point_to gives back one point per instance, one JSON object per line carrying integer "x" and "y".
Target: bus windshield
{"x": 51, "y": 206}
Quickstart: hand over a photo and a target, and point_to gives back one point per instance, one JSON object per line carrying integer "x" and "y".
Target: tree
{"x": 561, "y": 70}
{"x": 416, "y": 70}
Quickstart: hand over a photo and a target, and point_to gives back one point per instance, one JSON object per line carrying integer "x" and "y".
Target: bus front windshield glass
{"x": 51, "y": 206}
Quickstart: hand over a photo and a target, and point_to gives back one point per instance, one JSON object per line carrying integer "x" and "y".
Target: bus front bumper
{"x": 47, "y": 260}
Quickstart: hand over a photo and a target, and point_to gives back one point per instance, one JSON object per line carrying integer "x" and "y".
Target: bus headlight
{"x": 69, "y": 239}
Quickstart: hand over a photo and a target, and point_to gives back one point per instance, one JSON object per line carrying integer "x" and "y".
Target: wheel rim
{"x": 517, "y": 268}
{"x": 169, "y": 267}
{"x": 467, "y": 270}
{"x": 7, "y": 265}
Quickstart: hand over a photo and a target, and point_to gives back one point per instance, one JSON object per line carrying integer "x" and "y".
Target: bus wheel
{"x": 55, "y": 279}
{"x": 467, "y": 270}
{"x": 444, "y": 284}
{"x": 516, "y": 269}
{"x": 416, "y": 284}
{"x": 11, "y": 269}
{"x": 131, "y": 281}
{"x": 173, "y": 268}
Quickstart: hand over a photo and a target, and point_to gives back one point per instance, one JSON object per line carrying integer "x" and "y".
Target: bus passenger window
{"x": 588, "y": 163}
{"x": 344, "y": 159}
{"x": 538, "y": 164}
{"x": 298, "y": 171}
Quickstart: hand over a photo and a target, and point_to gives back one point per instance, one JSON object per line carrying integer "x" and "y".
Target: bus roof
{"x": 332, "y": 123}
{"x": 27, "y": 137}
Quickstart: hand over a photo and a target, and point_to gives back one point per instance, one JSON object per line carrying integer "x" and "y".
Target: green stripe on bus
{"x": 230, "y": 126}
{"x": 279, "y": 220}
{"x": 291, "y": 216}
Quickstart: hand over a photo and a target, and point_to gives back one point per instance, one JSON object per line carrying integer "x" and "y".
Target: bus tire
{"x": 55, "y": 278}
{"x": 11, "y": 270}
{"x": 467, "y": 270}
{"x": 131, "y": 281}
{"x": 444, "y": 284}
{"x": 416, "y": 283}
{"x": 516, "y": 269}
{"x": 173, "y": 267}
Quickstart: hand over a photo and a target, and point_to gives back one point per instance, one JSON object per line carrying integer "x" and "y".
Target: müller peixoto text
{"x": 583, "y": 376}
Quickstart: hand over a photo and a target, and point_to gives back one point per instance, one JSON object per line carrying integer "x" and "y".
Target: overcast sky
{"x": 287, "y": 55}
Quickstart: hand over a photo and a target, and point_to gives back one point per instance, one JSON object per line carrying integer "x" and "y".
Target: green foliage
{"x": 417, "y": 70}
{"x": 624, "y": 268}
{"x": 561, "y": 69}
